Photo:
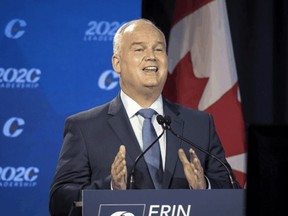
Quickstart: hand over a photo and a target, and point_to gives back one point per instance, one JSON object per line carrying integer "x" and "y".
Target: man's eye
{"x": 139, "y": 49}
{"x": 159, "y": 49}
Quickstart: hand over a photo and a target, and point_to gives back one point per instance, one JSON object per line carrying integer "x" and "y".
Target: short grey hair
{"x": 119, "y": 34}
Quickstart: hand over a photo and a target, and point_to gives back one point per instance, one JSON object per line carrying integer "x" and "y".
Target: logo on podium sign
{"x": 121, "y": 210}
{"x": 122, "y": 213}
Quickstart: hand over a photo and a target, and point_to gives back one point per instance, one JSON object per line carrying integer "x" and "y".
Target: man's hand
{"x": 119, "y": 170}
{"x": 193, "y": 170}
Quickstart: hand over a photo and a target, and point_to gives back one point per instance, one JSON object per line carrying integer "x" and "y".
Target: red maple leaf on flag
{"x": 191, "y": 87}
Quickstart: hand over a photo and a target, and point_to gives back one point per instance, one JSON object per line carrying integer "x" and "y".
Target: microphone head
{"x": 167, "y": 120}
{"x": 160, "y": 119}
{"x": 164, "y": 121}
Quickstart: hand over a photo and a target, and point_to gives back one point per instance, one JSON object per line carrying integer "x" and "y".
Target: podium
{"x": 178, "y": 202}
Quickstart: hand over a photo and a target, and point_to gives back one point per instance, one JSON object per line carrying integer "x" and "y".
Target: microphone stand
{"x": 131, "y": 177}
{"x": 166, "y": 121}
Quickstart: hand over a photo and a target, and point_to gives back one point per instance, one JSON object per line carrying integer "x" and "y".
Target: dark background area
{"x": 259, "y": 32}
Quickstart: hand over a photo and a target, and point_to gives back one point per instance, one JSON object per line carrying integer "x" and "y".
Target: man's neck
{"x": 144, "y": 100}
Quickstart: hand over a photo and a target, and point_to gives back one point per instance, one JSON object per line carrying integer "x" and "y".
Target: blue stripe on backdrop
{"x": 55, "y": 60}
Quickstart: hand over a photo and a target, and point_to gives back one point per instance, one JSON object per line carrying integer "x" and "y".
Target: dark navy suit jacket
{"x": 92, "y": 139}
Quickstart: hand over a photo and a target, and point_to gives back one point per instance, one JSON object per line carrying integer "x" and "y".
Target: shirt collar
{"x": 132, "y": 107}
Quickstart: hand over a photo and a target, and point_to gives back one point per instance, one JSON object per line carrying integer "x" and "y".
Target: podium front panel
{"x": 220, "y": 202}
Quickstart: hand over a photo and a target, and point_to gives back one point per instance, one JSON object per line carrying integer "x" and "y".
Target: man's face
{"x": 142, "y": 60}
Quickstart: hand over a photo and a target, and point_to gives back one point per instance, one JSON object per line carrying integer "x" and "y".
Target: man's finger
{"x": 194, "y": 159}
{"x": 182, "y": 156}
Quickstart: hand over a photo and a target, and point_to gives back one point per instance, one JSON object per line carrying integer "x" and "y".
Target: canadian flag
{"x": 202, "y": 73}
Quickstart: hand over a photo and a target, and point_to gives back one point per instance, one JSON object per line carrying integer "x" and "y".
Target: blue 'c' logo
{"x": 122, "y": 213}
{"x": 12, "y": 127}
{"x": 14, "y": 28}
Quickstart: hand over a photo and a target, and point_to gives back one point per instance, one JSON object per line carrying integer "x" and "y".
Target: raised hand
{"x": 193, "y": 169}
{"x": 119, "y": 170}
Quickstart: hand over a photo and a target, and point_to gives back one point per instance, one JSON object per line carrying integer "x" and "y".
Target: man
{"x": 101, "y": 145}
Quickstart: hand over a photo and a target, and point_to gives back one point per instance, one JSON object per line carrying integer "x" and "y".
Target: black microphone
{"x": 165, "y": 123}
{"x": 131, "y": 178}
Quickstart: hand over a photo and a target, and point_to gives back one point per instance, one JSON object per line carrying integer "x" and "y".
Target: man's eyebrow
{"x": 142, "y": 43}
{"x": 136, "y": 43}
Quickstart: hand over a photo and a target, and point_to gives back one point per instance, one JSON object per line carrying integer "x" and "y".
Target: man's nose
{"x": 150, "y": 55}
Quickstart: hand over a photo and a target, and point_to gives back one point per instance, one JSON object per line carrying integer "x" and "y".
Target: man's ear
{"x": 116, "y": 63}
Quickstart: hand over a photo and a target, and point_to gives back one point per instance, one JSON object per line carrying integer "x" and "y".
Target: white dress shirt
{"x": 137, "y": 121}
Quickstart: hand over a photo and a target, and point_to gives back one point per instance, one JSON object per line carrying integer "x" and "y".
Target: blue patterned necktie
{"x": 152, "y": 156}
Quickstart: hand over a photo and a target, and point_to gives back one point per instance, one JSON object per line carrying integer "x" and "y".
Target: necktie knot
{"x": 147, "y": 113}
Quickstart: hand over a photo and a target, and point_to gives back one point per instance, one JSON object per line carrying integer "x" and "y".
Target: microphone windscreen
{"x": 160, "y": 119}
{"x": 167, "y": 120}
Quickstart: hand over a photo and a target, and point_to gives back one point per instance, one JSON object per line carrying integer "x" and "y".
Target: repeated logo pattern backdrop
{"x": 55, "y": 60}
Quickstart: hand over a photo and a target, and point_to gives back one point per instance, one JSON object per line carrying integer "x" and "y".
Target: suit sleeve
{"x": 73, "y": 172}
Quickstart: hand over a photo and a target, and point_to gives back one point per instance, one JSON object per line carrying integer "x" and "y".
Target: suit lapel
{"x": 121, "y": 125}
{"x": 172, "y": 143}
